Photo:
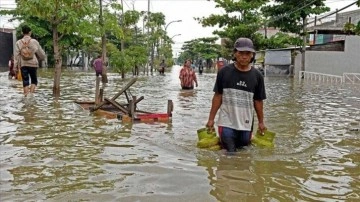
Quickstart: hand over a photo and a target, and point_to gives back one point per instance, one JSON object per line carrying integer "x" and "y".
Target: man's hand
{"x": 210, "y": 125}
{"x": 262, "y": 128}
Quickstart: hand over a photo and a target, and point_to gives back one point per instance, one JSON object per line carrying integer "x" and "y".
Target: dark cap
{"x": 244, "y": 44}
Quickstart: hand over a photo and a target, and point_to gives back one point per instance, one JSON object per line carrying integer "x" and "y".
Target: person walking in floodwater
{"x": 187, "y": 76}
{"x": 12, "y": 69}
{"x": 162, "y": 66}
{"x": 28, "y": 53}
{"x": 98, "y": 66}
{"x": 239, "y": 89}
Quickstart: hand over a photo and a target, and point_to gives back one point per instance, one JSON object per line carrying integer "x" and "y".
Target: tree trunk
{"x": 105, "y": 62}
{"x": 152, "y": 58}
{"x": 58, "y": 63}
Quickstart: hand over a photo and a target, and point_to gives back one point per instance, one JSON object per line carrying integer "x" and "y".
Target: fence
{"x": 351, "y": 77}
{"x": 315, "y": 76}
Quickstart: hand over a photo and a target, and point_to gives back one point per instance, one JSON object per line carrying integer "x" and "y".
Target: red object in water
{"x": 152, "y": 116}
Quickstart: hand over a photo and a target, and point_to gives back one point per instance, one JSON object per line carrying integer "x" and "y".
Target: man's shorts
{"x": 232, "y": 139}
{"x": 98, "y": 73}
{"x": 26, "y": 72}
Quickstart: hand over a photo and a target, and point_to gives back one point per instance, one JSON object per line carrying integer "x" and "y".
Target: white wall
{"x": 333, "y": 62}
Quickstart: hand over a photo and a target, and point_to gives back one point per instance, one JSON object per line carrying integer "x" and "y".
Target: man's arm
{"x": 16, "y": 56}
{"x": 181, "y": 77}
{"x": 195, "y": 79}
{"x": 215, "y": 105}
{"x": 258, "y": 105}
{"x": 40, "y": 53}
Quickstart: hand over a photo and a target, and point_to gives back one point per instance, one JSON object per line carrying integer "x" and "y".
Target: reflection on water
{"x": 54, "y": 150}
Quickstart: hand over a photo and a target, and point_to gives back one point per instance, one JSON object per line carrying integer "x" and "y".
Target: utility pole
{"x": 148, "y": 33}
{"x": 122, "y": 40}
{"x": 303, "y": 46}
{"x": 103, "y": 45}
{"x": 136, "y": 68}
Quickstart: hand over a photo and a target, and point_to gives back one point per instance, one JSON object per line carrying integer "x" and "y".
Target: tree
{"x": 289, "y": 15}
{"x": 349, "y": 28}
{"x": 202, "y": 48}
{"x": 64, "y": 17}
{"x": 281, "y": 40}
{"x": 155, "y": 21}
{"x": 67, "y": 18}
{"x": 357, "y": 28}
{"x": 241, "y": 19}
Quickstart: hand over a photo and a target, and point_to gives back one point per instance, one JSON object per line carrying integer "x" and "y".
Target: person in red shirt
{"x": 98, "y": 66}
{"x": 187, "y": 76}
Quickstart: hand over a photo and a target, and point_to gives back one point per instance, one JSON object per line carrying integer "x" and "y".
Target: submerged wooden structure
{"x": 126, "y": 112}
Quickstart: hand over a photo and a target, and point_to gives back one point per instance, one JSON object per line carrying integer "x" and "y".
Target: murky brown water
{"x": 55, "y": 151}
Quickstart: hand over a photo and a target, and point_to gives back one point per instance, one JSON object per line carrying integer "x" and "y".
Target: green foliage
{"x": 131, "y": 18}
{"x": 242, "y": 19}
{"x": 289, "y": 14}
{"x": 124, "y": 62}
{"x": 205, "y": 48}
{"x": 281, "y": 40}
{"x": 76, "y": 22}
{"x": 357, "y": 28}
{"x": 350, "y": 28}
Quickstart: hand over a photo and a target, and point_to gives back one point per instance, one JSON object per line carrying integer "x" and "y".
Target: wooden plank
{"x": 127, "y": 97}
{"x": 145, "y": 112}
{"x": 132, "y": 109}
{"x": 101, "y": 95}
{"x": 139, "y": 99}
{"x": 170, "y": 107}
{"x": 115, "y": 104}
{"x": 97, "y": 90}
{"x": 132, "y": 81}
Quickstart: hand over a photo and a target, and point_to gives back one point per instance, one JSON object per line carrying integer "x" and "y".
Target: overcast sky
{"x": 184, "y": 10}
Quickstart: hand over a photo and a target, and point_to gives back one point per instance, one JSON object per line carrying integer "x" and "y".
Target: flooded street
{"x": 55, "y": 151}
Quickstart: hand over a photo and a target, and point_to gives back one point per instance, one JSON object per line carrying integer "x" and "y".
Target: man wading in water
{"x": 239, "y": 88}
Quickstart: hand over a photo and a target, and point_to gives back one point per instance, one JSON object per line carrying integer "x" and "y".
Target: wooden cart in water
{"x": 126, "y": 112}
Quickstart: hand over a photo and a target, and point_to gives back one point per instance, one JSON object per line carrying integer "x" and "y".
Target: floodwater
{"x": 55, "y": 151}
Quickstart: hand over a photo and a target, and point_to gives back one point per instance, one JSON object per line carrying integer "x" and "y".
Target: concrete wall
{"x": 332, "y": 62}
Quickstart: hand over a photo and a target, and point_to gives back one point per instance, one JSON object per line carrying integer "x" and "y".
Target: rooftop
{"x": 336, "y": 24}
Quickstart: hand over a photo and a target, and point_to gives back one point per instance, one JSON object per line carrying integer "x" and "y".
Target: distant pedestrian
{"x": 162, "y": 67}
{"x": 201, "y": 67}
{"x": 28, "y": 53}
{"x": 187, "y": 76}
{"x": 98, "y": 65}
{"x": 12, "y": 69}
{"x": 193, "y": 66}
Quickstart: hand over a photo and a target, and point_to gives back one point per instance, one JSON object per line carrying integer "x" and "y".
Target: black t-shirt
{"x": 239, "y": 90}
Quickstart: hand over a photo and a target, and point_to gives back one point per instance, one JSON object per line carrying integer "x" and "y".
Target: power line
{"x": 127, "y": 5}
{"x": 288, "y": 14}
{"x": 331, "y": 13}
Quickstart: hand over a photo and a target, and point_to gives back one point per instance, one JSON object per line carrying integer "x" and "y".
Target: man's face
{"x": 243, "y": 58}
